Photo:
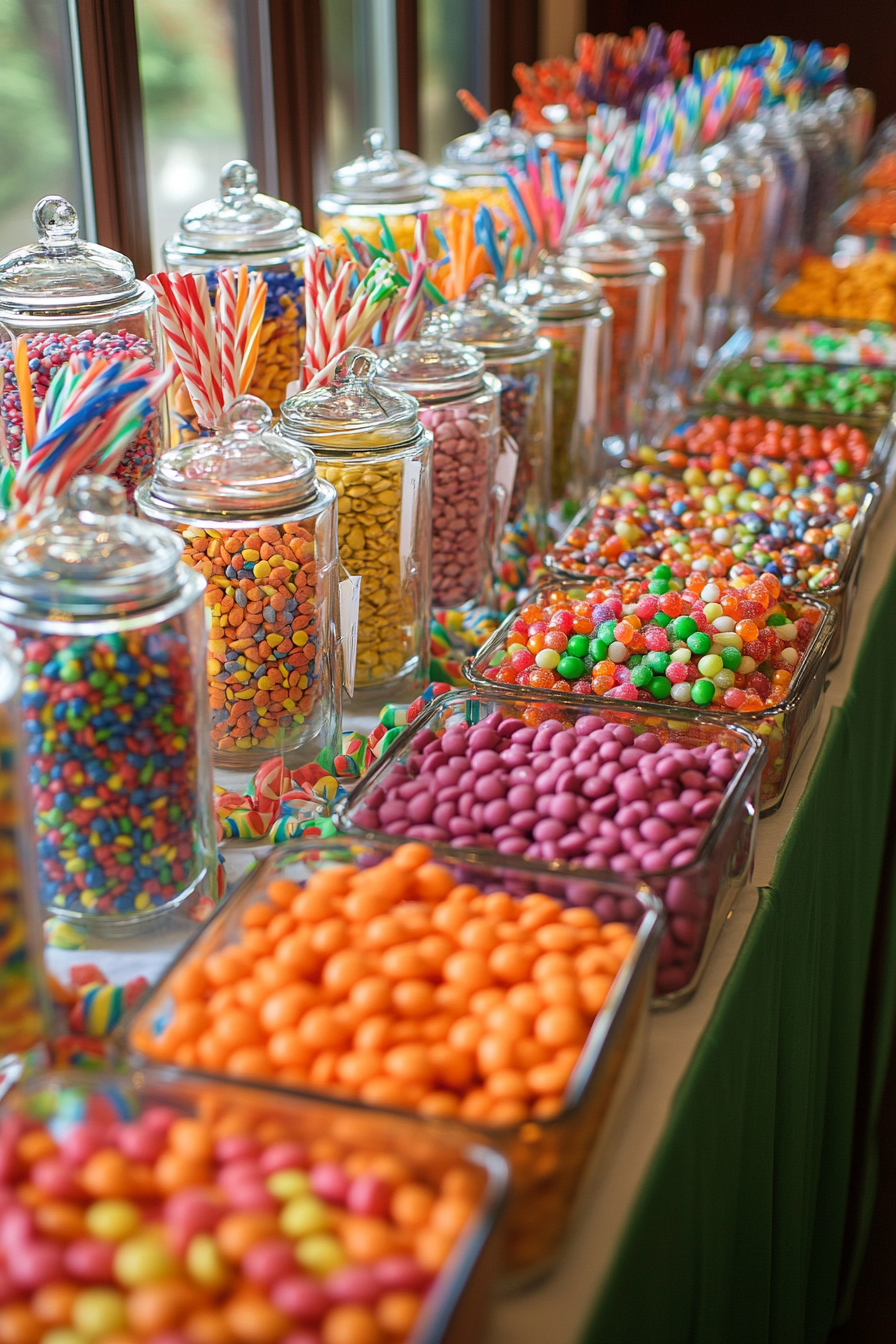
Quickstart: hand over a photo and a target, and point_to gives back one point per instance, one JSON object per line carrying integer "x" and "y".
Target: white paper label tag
{"x": 349, "y": 615}
{"x": 410, "y": 488}
{"x": 505, "y": 475}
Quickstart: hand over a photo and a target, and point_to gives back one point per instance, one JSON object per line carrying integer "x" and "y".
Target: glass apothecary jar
{"x": 473, "y": 166}
{"x": 573, "y": 315}
{"x": 114, "y": 763}
{"x": 460, "y": 406}
{"x": 382, "y": 181}
{"x": 780, "y": 140}
{"x": 707, "y": 194}
{"x": 634, "y": 285}
{"x": 24, "y": 998}
{"x": 679, "y": 249}
{"x": 748, "y": 192}
{"x": 243, "y": 227}
{"x": 520, "y": 359}
{"x": 824, "y": 179}
{"x": 67, "y": 296}
{"x": 371, "y": 448}
{"x": 260, "y": 528}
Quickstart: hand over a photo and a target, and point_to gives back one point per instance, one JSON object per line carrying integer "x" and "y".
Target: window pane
{"x": 38, "y": 125}
{"x": 453, "y": 55}
{"x": 192, "y": 115}
{"x": 361, "y": 90}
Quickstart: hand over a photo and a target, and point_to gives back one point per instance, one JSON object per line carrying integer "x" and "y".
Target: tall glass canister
{"x": 371, "y": 448}
{"x": 520, "y": 359}
{"x": 574, "y": 316}
{"x": 110, "y": 629}
{"x": 748, "y": 191}
{"x": 382, "y": 181}
{"x": 781, "y": 141}
{"x": 707, "y": 194}
{"x": 460, "y": 406}
{"x": 67, "y": 296}
{"x": 472, "y": 169}
{"x": 620, "y": 257}
{"x": 243, "y": 227}
{"x": 260, "y": 528}
{"x": 669, "y": 225}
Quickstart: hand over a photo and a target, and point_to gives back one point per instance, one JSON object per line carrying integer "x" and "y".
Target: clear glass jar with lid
{"x": 780, "y": 140}
{"x": 748, "y": 189}
{"x": 823, "y": 183}
{"x": 110, "y": 629}
{"x": 382, "y": 181}
{"x": 24, "y": 998}
{"x": 370, "y": 446}
{"x": 679, "y": 244}
{"x": 634, "y": 285}
{"x": 707, "y": 194}
{"x": 260, "y": 528}
{"x": 243, "y": 227}
{"x": 65, "y": 295}
{"x": 460, "y": 406}
{"x": 473, "y": 166}
{"x": 520, "y": 359}
{"x": 574, "y": 316}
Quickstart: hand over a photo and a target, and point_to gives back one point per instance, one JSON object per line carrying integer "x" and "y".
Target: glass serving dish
{"x": 738, "y": 384}
{"x": 705, "y": 889}
{"x": 546, "y": 1157}
{"x": 454, "y": 1307}
{"x": 785, "y": 729}
{"x": 817, "y": 342}
{"x": 838, "y": 594}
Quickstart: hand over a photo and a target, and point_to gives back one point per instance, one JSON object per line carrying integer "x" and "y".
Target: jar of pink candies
{"x": 66, "y": 296}
{"x": 460, "y": 404}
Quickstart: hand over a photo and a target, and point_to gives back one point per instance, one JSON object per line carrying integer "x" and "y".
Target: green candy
{"x": 660, "y": 688}
{"x": 731, "y": 657}
{"x": 699, "y": 643}
{"x": 598, "y": 649}
{"x": 662, "y": 572}
{"x": 702, "y": 691}
{"x": 607, "y": 631}
{"x": 776, "y": 618}
{"x": 661, "y": 619}
{"x": 658, "y": 587}
{"x": 684, "y": 627}
{"x": 577, "y": 646}
{"x": 657, "y": 660}
{"x": 642, "y": 676}
{"x": 570, "y": 668}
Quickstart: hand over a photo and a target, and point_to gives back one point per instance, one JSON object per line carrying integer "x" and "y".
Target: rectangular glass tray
{"x": 704, "y": 890}
{"x": 546, "y": 1157}
{"x": 455, "y": 1309}
{"x": 785, "y": 729}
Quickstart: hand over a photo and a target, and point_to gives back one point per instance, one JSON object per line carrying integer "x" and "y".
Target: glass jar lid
{"x": 380, "y": 176}
{"x": 241, "y": 219}
{"x": 705, "y": 188}
{"x": 658, "y": 217}
{"x": 612, "y": 249}
{"x": 351, "y": 414}
{"x": 483, "y": 154}
{"x": 431, "y": 369}
{"x": 480, "y": 318}
{"x": 87, "y": 556}
{"x": 61, "y": 270}
{"x": 242, "y": 470}
{"x": 555, "y": 291}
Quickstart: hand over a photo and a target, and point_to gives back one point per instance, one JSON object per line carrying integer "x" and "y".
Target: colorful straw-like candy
{"x": 216, "y": 349}
{"x": 343, "y": 303}
{"x": 90, "y": 415}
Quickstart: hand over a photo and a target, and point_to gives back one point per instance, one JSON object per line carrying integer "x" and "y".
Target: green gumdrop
{"x": 684, "y": 627}
{"x": 702, "y": 691}
{"x": 661, "y": 619}
{"x": 598, "y": 649}
{"x": 658, "y": 587}
{"x": 731, "y": 657}
{"x": 699, "y": 643}
{"x": 660, "y": 688}
{"x": 642, "y": 676}
{"x": 577, "y": 646}
{"x": 570, "y": 668}
{"x": 658, "y": 661}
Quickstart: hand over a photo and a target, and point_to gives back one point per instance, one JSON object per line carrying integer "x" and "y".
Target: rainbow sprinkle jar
{"x": 110, "y": 629}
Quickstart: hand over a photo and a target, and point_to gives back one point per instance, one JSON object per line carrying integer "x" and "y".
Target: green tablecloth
{"x": 738, "y": 1232}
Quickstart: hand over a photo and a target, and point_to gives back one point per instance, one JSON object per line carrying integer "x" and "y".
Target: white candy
{"x": 711, "y": 593}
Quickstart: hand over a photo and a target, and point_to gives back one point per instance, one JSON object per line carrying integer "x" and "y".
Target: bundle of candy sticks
{"x": 91, "y": 413}
{"x": 216, "y": 349}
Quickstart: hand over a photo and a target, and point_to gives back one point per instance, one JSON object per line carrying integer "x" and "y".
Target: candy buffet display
{"x": 371, "y": 447}
{"x": 460, "y": 406}
{"x": 740, "y": 648}
{"x": 260, "y": 528}
{"x": 112, "y": 710}
{"x": 243, "y": 227}
{"x": 640, "y": 791}
{"x": 210, "y": 1211}
{"x": 381, "y": 182}
{"x": 511, "y": 1015}
{"x": 63, "y": 296}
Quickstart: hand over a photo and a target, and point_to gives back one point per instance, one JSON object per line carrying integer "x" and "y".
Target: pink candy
{"x": 460, "y": 503}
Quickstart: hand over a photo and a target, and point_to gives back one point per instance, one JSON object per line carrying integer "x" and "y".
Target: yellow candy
{"x": 112, "y": 1219}
{"x": 205, "y": 1263}
{"x": 288, "y": 1184}
{"x": 98, "y": 1312}
{"x": 144, "y": 1259}
{"x": 320, "y": 1254}
{"x": 303, "y": 1216}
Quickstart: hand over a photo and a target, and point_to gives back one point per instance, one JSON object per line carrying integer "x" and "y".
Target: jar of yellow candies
{"x": 473, "y": 166}
{"x": 382, "y": 182}
{"x": 371, "y": 447}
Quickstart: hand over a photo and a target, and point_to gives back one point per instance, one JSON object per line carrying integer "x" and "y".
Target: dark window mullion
{"x": 297, "y": 72}
{"x": 408, "y": 61}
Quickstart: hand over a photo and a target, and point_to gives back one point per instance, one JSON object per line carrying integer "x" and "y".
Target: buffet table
{"x": 717, "y": 1206}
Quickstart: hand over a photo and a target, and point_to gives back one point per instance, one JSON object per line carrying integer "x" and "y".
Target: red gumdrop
{"x": 369, "y": 1195}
